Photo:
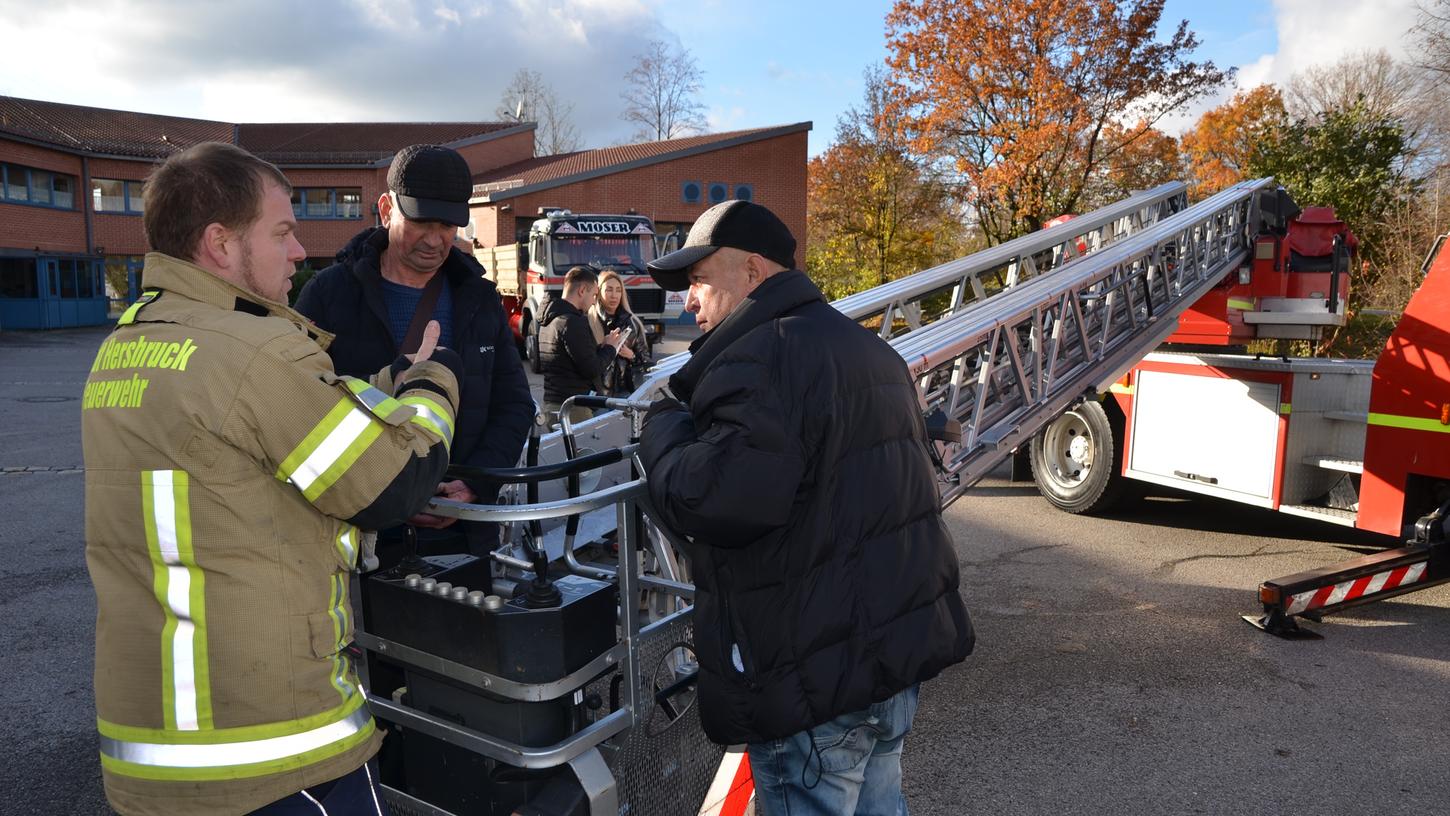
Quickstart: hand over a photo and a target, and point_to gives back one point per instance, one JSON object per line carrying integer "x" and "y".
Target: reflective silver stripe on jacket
{"x": 441, "y": 423}
{"x": 235, "y": 753}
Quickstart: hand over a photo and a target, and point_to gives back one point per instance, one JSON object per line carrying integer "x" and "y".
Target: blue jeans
{"x": 850, "y": 765}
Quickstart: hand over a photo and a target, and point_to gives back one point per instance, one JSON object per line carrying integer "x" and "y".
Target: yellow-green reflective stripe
{"x": 180, "y": 590}
{"x": 130, "y": 314}
{"x": 1285, "y": 407}
{"x": 428, "y": 414}
{"x": 347, "y": 544}
{"x": 337, "y": 611}
{"x": 329, "y": 449}
{"x": 349, "y": 455}
{"x": 1240, "y": 304}
{"x": 314, "y": 438}
{"x": 219, "y": 736}
{"x": 236, "y": 760}
{"x": 376, "y": 401}
{"x": 1408, "y": 423}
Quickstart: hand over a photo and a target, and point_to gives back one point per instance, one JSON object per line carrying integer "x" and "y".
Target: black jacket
{"x": 801, "y": 471}
{"x": 495, "y": 406}
{"x": 573, "y": 362}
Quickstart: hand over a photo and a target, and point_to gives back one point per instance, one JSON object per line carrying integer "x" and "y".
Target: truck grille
{"x": 646, "y": 301}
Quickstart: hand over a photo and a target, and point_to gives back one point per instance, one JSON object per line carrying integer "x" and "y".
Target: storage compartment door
{"x": 1207, "y": 434}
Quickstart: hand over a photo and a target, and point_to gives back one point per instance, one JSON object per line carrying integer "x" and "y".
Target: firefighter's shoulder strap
{"x": 129, "y": 316}
{"x": 423, "y": 313}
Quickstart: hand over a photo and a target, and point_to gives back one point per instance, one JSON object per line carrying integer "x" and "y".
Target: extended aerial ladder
{"x": 1000, "y": 343}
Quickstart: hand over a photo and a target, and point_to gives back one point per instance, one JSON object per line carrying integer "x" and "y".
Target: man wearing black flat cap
{"x": 388, "y": 282}
{"x": 796, "y": 462}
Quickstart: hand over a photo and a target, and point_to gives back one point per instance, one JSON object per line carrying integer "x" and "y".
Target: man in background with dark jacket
{"x": 574, "y": 363}
{"x": 826, "y": 582}
{"x": 382, "y": 278}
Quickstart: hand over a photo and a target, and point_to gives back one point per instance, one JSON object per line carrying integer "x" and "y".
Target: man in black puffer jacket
{"x": 368, "y": 298}
{"x": 826, "y": 581}
{"x": 573, "y": 361}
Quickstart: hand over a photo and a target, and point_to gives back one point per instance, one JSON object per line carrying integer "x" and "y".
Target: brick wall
{"x": 775, "y": 168}
{"x": 322, "y": 238}
{"x": 118, "y": 233}
{"x": 23, "y": 226}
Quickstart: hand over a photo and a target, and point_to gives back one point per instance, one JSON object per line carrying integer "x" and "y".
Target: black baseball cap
{"x": 431, "y": 183}
{"x": 738, "y": 224}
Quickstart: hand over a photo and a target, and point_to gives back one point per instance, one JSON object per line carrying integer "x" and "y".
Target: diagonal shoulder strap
{"x": 422, "y": 314}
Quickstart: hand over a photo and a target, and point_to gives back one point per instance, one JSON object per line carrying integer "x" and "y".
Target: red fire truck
{"x": 1360, "y": 443}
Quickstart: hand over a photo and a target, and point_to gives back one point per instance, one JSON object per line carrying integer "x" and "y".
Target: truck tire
{"x": 531, "y": 347}
{"x": 1075, "y": 460}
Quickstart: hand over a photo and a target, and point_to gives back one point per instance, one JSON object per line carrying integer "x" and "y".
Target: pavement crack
{"x": 1173, "y": 564}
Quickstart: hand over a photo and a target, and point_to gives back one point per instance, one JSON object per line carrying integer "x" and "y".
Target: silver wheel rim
{"x": 1067, "y": 447}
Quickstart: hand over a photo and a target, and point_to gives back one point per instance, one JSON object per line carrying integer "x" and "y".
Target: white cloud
{"x": 1314, "y": 32}
{"x": 326, "y": 60}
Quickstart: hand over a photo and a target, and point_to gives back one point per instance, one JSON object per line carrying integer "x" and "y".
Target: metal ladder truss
{"x": 907, "y": 304}
{"x": 1010, "y": 364}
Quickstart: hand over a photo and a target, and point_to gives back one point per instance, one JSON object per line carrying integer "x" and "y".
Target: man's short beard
{"x": 249, "y": 273}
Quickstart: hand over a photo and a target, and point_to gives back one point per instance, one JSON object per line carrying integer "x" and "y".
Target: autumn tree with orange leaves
{"x": 1019, "y": 97}
{"x": 874, "y": 212}
{"x": 1219, "y": 148}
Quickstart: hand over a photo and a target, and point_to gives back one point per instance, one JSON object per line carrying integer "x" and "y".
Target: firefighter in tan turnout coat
{"x": 230, "y": 475}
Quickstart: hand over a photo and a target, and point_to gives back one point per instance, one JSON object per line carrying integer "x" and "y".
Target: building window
{"x": 17, "y": 278}
{"x": 745, "y": 192}
{"x": 38, "y": 188}
{"x": 117, "y": 196}
{"x": 690, "y": 192}
{"x": 718, "y": 192}
{"x": 327, "y": 202}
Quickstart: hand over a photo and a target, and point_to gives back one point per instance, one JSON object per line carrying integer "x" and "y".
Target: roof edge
{"x": 684, "y": 153}
{"x": 522, "y": 127}
{"x": 77, "y": 151}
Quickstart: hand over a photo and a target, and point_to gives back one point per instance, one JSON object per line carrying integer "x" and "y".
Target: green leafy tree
{"x": 1353, "y": 159}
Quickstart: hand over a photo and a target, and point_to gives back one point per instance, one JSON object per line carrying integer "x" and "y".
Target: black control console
{"x": 444, "y": 606}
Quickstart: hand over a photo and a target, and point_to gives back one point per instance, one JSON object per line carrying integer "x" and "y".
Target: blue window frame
{"x": 717, "y": 192}
{"x": 745, "y": 192}
{"x": 327, "y": 202}
{"x": 690, "y": 191}
{"x": 117, "y": 196}
{"x": 37, "y": 188}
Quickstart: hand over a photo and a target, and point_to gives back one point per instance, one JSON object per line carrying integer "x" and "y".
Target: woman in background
{"x": 609, "y": 312}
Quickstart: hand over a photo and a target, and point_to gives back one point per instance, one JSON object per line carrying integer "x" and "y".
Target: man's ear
{"x": 217, "y": 247}
{"x": 385, "y": 208}
{"x": 757, "y": 269}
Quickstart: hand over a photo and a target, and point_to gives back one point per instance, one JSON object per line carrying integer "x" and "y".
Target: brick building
{"x": 71, "y": 178}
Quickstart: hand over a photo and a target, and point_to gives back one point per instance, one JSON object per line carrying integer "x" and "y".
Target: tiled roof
{"x": 111, "y": 132}
{"x": 353, "y": 142}
{"x": 566, "y": 168}
{"x": 153, "y": 136}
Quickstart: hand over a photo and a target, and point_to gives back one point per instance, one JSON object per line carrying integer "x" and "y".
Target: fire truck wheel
{"x": 1075, "y": 463}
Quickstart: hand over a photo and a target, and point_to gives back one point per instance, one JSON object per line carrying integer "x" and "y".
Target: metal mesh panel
{"x": 665, "y": 769}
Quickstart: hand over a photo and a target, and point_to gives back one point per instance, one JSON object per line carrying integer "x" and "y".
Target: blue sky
{"x": 765, "y": 62}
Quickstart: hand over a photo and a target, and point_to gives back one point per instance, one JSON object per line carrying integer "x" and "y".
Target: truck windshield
{"x": 599, "y": 252}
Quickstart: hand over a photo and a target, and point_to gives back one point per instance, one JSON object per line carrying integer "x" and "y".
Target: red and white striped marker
{"x": 733, "y": 789}
{"x": 1359, "y": 587}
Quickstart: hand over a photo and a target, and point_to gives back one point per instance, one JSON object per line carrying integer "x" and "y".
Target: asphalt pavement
{"x": 1112, "y": 673}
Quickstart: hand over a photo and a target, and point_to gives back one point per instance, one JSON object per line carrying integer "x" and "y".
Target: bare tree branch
{"x": 662, "y": 97}
{"x": 528, "y": 98}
